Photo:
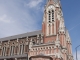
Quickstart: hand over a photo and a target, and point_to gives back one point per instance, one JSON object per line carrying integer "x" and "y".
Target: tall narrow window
{"x": 0, "y": 51}
{"x": 20, "y": 49}
{"x": 11, "y": 51}
{"x": 26, "y": 48}
{"x": 49, "y": 29}
{"x": 33, "y": 42}
{"x": 52, "y": 15}
{"x": 7, "y": 51}
{"x": 16, "y": 48}
{"x": 49, "y": 50}
{"x": 3, "y": 52}
{"x": 49, "y": 16}
{"x": 23, "y": 49}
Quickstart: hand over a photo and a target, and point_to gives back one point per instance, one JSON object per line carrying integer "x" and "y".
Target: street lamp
{"x": 76, "y": 51}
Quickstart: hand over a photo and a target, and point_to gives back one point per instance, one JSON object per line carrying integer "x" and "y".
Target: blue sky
{"x": 71, "y": 11}
{"x": 21, "y": 16}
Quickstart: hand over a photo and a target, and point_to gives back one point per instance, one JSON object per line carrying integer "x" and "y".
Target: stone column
{"x": 17, "y": 39}
{"x": 55, "y": 28}
{"x": 41, "y": 38}
{"x": 30, "y": 44}
{"x": 19, "y": 50}
{"x": 51, "y": 28}
{"x": 37, "y": 39}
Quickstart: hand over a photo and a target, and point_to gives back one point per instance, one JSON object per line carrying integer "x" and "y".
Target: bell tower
{"x": 51, "y": 18}
{"x": 56, "y": 42}
{"x": 54, "y": 31}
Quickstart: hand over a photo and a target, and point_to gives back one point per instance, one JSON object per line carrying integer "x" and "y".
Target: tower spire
{"x": 49, "y": 1}
{"x": 56, "y": 1}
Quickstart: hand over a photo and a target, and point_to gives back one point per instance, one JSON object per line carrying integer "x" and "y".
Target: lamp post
{"x": 76, "y": 51}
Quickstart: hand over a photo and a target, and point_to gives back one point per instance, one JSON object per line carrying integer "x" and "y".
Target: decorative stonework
{"x": 52, "y": 41}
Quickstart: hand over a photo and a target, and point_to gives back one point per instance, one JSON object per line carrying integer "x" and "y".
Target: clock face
{"x": 51, "y": 6}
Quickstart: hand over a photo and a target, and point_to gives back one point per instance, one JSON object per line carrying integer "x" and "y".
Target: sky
{"x": 21, "y": 16}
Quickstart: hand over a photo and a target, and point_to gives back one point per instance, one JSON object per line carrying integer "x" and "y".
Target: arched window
{"x": 49, "y": 16}
{"x": 49, "y": 29}
{"x": 52, "y": 15}
{"x": 33, "y": 42}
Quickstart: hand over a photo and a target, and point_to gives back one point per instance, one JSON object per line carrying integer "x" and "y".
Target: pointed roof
{"x": 56, "y": 1}
{"x": 50, "y": 2}
{"x": 21, "y": 35}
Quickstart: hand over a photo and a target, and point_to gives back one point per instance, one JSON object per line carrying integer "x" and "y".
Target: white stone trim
{"x": 47, "y": 30}
{"x": 51, "y": 29}
{"x": 17, "y": 39}
{"x": 54, "y": 27}
{"x": 19, "y": 50}
{"x": 64, "y": 40}
{"x": 71, "y": 49}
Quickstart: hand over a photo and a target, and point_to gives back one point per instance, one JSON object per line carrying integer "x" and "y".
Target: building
{"x": 52, "y": 42}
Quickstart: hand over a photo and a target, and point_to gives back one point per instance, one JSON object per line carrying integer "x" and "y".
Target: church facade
{"x": 52, "y": 42}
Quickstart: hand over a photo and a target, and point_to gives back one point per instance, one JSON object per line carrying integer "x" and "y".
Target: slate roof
{"x": 21, "y": 35}
{"x": 15, "y": 56}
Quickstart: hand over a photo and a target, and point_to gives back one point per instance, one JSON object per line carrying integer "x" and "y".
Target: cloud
{"x": 17, "y": 19}
{"x": 4, "y": 19}
{"x": 33, "y": 3}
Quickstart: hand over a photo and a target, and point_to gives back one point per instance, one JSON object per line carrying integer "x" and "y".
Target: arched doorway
{"x": 39, "y": 56}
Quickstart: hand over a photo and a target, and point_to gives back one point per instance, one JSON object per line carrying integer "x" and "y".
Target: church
{"x": 52, "y": 42}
